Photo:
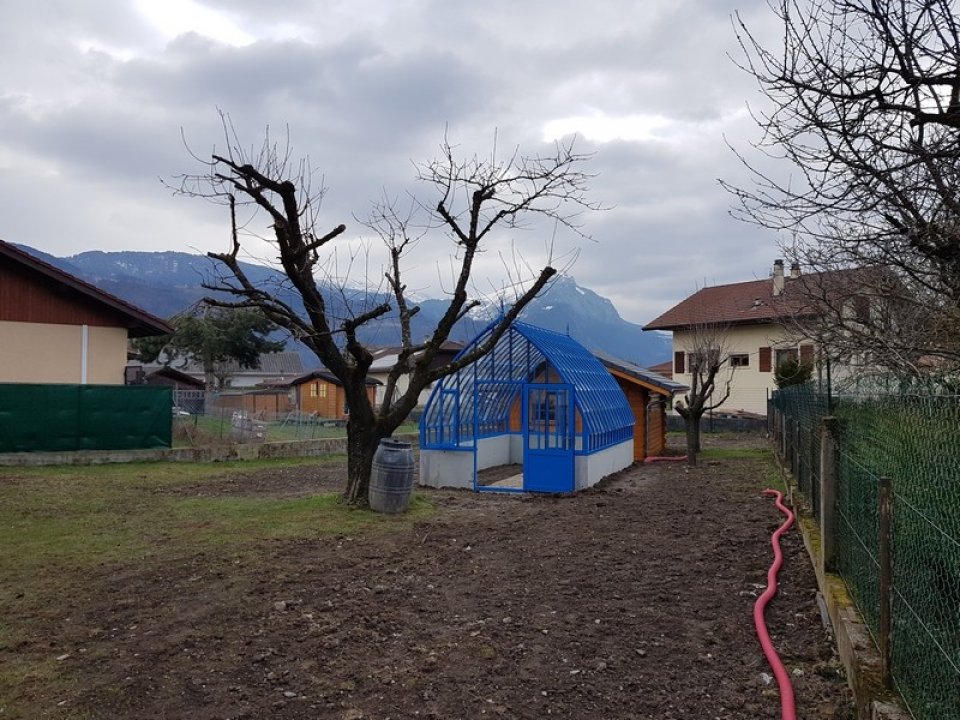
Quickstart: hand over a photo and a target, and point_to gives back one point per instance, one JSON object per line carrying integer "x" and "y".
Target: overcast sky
{"x": 93, "y": 96}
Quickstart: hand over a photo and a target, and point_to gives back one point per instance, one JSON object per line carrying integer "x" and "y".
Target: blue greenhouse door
{"x": 548, "y": 438}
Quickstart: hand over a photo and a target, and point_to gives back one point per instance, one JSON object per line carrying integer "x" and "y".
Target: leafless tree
{"x": 706, "y": 358}
{"x": 862, "y": 103}
{"x": 476, "y": 199}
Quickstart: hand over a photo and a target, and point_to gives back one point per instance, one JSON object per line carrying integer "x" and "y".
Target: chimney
{"x": 794, "y": 270}
{"x": 777, "y": 277}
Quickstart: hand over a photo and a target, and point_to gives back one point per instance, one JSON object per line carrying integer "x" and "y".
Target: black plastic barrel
{"x": 391, "y": 482}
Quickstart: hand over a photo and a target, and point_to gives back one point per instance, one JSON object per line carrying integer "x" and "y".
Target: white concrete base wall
{"x": 446, "y": 468}
{"x": 454, "y": 468}
{"x": 499, "y": 450}
{"x": 493, "y": 451}
{"x": 591, "y": 469}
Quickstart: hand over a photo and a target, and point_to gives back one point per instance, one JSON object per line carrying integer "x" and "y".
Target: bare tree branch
{"x": 706, "y": 351}
{"x": 476, "y": 198}
{"x": 863, "y": 99}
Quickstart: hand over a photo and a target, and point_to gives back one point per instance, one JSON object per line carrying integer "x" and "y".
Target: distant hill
{"x": 165, "y": 283}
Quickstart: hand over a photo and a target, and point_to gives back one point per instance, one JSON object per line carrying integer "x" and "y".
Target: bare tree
{"x": 706, "y": 357}
{"x": 707, "y": 361}
{"x": 862, "y": 103}
{"x": 476, "y": 198}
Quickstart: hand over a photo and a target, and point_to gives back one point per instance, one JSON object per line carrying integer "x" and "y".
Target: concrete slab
{"x": 514, "y": 481}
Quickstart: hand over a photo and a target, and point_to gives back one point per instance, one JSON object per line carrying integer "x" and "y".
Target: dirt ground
{"x": 630, "y": 600}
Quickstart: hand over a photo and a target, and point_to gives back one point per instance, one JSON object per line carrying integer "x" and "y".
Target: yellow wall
{"x": 748, "y": 386}
{"x": 47, "y": 353}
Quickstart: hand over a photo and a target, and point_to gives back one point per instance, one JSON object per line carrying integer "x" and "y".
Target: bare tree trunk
{"x": 364, "y": 433}
{"x": 362, "y": 443}
{"x": 693, "y": 439}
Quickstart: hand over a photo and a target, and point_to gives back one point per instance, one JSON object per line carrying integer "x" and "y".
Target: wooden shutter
{"x": 678, "y": 364}
{"x": 806, "y": 354}
{"x": 861, "y": 308}
{"x": 764, "y": 360}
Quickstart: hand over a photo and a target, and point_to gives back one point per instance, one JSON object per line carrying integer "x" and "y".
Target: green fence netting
{"x": 913, "y": 439}
{"x": 83, "y": 417}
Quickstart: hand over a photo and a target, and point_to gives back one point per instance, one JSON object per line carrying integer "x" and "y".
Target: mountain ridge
{"x": 167, "y": 282}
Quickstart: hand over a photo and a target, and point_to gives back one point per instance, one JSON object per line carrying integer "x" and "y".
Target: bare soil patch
{"x": 631, "y": 600}
{"x": 323, "y": 477}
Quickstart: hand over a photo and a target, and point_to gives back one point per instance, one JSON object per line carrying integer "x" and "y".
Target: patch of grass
{"x": 769, "y": 474}
{"x": 234, "y": 520}
{"x": 59, "y": 525}
{"x": 774, "y": 478}
{"x": 23, "y": 679}
{"x": 735, "y": 453}
{"x": 76, "y": 517}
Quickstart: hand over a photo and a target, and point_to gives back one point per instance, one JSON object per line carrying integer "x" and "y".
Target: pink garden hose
{"x": 788, "y": 708}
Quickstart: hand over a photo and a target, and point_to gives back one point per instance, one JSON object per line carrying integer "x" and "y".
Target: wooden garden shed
{"x": 649, "y": 394}
{"x": 322, "y": 393}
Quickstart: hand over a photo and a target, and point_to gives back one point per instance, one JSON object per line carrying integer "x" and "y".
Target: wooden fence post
{"x": 886, "y": 577}
{"x": 828, "y": 492}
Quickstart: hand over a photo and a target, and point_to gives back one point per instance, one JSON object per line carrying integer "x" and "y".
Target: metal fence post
{"x": 804, "y": 461}
{"x": 797, "y": 447}
{"x": 886, "y": 577}
{"x": 828, "y": 492}
{"x": 784, "y": 422}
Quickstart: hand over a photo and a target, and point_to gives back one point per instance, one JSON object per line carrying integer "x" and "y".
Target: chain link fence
{"x": 254, "y": 416}
{"x": 914, "y": 440}
{"x": 251, "y": 416}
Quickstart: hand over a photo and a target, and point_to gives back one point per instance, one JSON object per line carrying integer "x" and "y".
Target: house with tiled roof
{"x": 759, "y": 322}
{"x": 57, "y": 328}
{"x": 274, "y": 369}
{"x": 385, "y": 358}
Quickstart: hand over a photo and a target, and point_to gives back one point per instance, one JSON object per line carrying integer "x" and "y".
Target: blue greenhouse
{"x": 539, "y": 413}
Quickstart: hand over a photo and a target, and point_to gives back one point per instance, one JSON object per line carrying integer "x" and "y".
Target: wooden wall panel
{"x": 658, "y": 431}
{"x": 638, "y": 397}
{"x": 330, "y": 406}
{"x": 26, "y": 296}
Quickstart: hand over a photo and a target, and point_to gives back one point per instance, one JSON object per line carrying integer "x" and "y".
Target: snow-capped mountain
{"x": 165, "y": 283}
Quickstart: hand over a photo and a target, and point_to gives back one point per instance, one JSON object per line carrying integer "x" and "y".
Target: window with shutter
{"x": 678, "y": 364}
{"x": 861, "y": 308}
{"x": 764, "y": 360}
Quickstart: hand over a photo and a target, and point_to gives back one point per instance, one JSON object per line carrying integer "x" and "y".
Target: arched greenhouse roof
{"x": 525, "y": 354}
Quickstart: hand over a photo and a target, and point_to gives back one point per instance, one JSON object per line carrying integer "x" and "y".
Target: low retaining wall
{"x": 212, "y": 453}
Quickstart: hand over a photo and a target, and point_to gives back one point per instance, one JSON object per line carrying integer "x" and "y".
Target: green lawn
{"x": 772, "y": 475}
{"x": 59, "y": 524}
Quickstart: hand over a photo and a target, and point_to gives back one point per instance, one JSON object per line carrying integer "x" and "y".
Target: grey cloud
{"x": 365, "y": 96}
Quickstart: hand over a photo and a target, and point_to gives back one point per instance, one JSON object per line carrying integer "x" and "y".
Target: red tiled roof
{"x": 665, "y": 368}
{"x": 323, "y": 375}
{"x": 753, "y": 302}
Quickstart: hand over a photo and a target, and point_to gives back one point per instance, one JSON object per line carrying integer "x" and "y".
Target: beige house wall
{"x": 403, "y": 382}
{"x": 749, "y": 387}
{"x": 48, "y": 353}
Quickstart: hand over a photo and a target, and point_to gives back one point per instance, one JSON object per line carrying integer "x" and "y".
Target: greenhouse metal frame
{"x": 538, "y": 399}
